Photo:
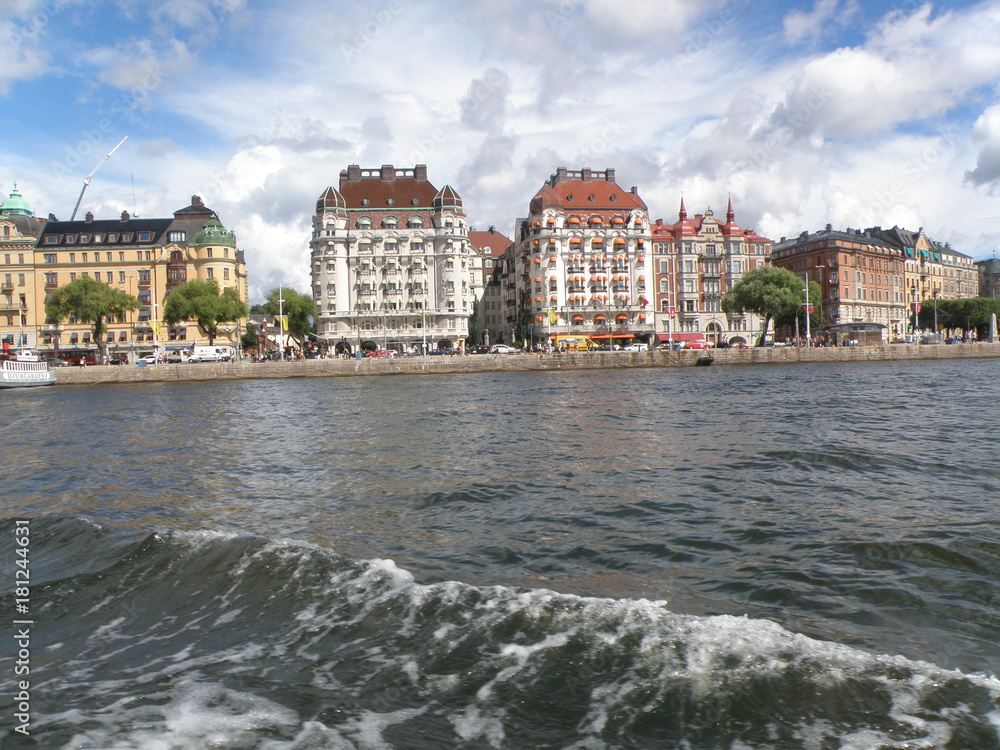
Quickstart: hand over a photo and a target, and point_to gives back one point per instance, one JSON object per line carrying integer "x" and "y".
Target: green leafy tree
{"x": 475, "y": 325}
{"x": 300, "y": 309}
{"x": 522, "y": 326}
{"x": 90, "y": 301}
{"x": 771, "y": 292}
{"x": 202, "y": 302}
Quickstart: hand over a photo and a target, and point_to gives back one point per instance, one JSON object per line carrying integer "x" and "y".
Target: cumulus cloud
{"x": 987, "y": 133}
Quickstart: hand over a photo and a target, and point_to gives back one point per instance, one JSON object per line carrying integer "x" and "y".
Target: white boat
{"x": 25, "y": 369}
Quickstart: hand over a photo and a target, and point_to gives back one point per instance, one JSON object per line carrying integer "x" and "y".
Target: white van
{"x": 210, "y": 354}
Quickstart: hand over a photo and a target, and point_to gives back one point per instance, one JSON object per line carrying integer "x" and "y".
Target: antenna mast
{"x": 86, "y": 181}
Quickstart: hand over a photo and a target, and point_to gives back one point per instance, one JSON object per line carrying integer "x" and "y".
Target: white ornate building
{"x": 392, "y": 266}
{"x": 582, "y": 261}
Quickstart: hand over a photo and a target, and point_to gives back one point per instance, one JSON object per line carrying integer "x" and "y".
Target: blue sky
{"x": 833, "y": 111}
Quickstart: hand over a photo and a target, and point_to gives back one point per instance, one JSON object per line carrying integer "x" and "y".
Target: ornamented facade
{"x": 581, "y": 261}
{"x": 392, "y": 265}
{"x": 145, "y": 258}
{"x": 698, "y": 261}
{"x": 862, "y": 278}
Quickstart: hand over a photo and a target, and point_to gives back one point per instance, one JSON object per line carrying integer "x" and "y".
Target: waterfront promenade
{"x": 316, "y": 368}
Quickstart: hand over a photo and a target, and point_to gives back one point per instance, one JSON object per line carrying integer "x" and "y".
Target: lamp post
{"x": 806, "y": 307}
{"x": 935, "y": 317}
{"x": 913, "y": 289}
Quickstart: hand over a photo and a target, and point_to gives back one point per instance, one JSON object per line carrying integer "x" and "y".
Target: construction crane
{"x": 86, "y": 181}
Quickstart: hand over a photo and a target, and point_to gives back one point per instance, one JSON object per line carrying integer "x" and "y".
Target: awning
{"x": 613, "y": 335}
{"x": 681, "y": 337}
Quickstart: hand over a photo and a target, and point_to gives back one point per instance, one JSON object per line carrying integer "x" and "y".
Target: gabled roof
{"x": 491, "y": 243}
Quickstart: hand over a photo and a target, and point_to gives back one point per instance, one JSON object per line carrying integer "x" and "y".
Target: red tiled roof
{"x": 493, "y": 242}
{"x": 405, "y": 194}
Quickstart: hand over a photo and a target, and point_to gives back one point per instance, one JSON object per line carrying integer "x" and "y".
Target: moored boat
{"x": 25, "y": 369}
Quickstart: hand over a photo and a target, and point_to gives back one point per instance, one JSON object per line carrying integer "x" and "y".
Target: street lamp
{"x": 913, "y": 289}
{"x": 806, "y": 306}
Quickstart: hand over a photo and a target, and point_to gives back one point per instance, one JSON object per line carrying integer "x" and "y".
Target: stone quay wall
{"x": 319, "y": 368}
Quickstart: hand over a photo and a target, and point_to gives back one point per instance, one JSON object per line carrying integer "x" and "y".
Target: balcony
{"x": 7, "y": 286}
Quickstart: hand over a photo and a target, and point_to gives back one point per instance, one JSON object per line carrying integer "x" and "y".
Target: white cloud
{"x": 799, "y": 25}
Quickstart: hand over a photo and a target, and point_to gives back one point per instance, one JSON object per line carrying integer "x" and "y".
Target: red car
{"x": 699, "y": 345}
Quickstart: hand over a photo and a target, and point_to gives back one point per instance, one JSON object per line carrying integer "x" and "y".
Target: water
{"x": 758, "y": 557}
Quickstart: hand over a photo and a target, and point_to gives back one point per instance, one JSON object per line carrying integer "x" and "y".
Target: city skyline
{"x": 853, "y": 113}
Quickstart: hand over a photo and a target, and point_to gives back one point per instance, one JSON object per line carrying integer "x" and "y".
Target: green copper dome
{"x": 215, "y": 234}
{"x": 15, "y": 205}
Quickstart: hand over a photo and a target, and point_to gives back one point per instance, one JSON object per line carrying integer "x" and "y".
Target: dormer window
{"x": 415, "y": 222}
{"x": 177, "y": 236}
{"x": 390, "y": 222}
{"x": 365, "y": 222}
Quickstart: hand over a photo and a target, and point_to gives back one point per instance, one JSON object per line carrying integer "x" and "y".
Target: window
{"x": 72, "y": 257}
{"x": 178, "y": 236}
{"x": 70, "y": 239}
{"x": 225, "y": 274}
{"x": 144, "y": 236}
{"x": 365, "y": 222}
{"x": 415, "y": 222}
{"x": 390, "y": 222}
{"x": 211, "y": 273}
{"x": 121, "y": 277}
{"x": 20, "y": 279}
{"x": 209, "y": 252}
{"x": 111, "y": 277}
{"x": 52, "y": 239}
{"x": 49, "y": 257}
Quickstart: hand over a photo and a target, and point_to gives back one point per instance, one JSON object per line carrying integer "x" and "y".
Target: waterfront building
{"x": 145, "y": 258}
{"x": 490, "y": 246}
{"x": 697, "y": 262}
{"x": 582, "y": 261}
{"x": 933, "y": 269}
{"x": 862, "y": 278}
{"x": 392, "y": 266}
{"x": 989, "y": 277}
{"x": 19, "y": 230}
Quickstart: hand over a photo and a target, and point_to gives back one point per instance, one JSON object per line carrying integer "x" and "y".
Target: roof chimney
{"x": 387, "y": 173}
{"x": 420, "y": 172}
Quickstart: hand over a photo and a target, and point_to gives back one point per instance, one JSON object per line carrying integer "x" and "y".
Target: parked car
{"x": 636, "y": 347}
{"x": 698, "y": 345}
{"x": 479, "y": 350}
{"x": 149, "y": 359}
{"x": 181, "y": 356}
{"x": 502, "y": 349}
{"x": 443, "y": 352}
{"x": 56, "y": 362}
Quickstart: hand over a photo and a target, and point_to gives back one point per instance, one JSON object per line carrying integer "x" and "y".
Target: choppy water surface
{"x": 758, "y": 557}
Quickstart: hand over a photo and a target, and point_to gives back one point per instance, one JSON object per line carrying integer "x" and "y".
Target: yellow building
{"x": 145, "y": 258}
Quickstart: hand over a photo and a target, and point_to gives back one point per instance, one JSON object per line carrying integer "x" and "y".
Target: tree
{"x": 90, "y": 301}
{"x": 300, "y": 309}
{"x": 201, "y": 301}
{"x": 475, "y": 324}
{"x": 774, "y": 293}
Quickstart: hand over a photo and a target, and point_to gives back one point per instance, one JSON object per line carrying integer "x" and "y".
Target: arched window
{"x": 365, "y": 222}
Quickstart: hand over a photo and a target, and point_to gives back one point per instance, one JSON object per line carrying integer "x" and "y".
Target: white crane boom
{"x": 86, "y": 180}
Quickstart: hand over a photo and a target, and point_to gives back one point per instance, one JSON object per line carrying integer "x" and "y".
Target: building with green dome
{"x": 145, "y": 258}
{"x": 19, "y": 230}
